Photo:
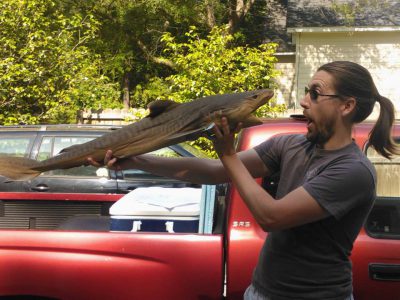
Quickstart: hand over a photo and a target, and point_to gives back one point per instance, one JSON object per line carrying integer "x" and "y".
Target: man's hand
{"x": 110, "y": 162}
{"x": 224, "y": 141}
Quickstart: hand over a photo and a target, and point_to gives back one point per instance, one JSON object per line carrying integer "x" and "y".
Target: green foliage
{"x": 61, "y": 56}
{"x": 129, "y": 33}
{"x": 211, "y": 66}
{"x": 156, "y": 88}
{"x": 47, "y": 72}
{"x": 136, "y": 114}
{"x": 216, "y": 66}
{"x": 349, "y": 11}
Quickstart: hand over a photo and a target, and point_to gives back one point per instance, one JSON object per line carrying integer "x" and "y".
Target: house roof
{"x": 300, "y": 14}
{"x": 274, "y": 26}
{"x": 332, "y": 13}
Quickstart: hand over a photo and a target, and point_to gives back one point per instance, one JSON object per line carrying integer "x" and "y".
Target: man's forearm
{"x": 257, "y": 200}
{"x": 196, "y": 170}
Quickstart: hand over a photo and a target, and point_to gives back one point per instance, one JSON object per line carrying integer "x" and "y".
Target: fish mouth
{"x": 262, "y": 97}
{"x": 257, "y": 99}
{"x": 243, "y": 110}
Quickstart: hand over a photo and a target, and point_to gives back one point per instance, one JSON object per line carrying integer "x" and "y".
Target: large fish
{"x": 168, "y": 123}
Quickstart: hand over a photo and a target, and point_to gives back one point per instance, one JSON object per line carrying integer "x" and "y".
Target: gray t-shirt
{"x": 312, "y": 261}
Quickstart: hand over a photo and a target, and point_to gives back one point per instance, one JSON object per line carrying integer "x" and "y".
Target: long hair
{"x": 353, "y": 80}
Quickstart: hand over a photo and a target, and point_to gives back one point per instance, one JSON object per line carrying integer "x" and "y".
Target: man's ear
{"x": 349, "y": 106}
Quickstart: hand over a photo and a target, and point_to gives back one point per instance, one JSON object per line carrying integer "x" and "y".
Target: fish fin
{"x": 251, "y": 121}
{"x": 193, "y": 134}
{"x": 18, "y": 168}
{"x": 188, "y": 135}
{"x": 159, "y": 106}
{"x": 70, "y": 148}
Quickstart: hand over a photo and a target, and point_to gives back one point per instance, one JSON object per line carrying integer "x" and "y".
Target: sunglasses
{"x": 314, "y": 94}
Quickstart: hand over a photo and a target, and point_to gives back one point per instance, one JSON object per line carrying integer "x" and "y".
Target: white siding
{"x": 379, "y": 52}
{"x": 285, "y": 92}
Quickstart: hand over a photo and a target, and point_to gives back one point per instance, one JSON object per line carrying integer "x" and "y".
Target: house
{"x": 319, "y": 31}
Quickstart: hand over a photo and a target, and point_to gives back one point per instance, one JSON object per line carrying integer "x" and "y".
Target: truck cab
{"x": 62, "y": 245}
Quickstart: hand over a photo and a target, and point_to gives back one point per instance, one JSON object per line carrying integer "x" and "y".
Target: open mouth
{"x": 309, "y": 121}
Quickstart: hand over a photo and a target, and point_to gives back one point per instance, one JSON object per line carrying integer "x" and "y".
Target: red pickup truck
{"x": 60, "y": 246}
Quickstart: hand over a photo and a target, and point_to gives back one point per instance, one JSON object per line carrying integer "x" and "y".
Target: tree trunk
{"x": 210, "y": 14}
{"x": 238, "y": 9}
{"x": 79, "y": 116}
{"x": 126, "y": 97}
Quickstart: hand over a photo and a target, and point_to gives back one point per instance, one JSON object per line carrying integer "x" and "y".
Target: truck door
{"x": 110, "y": 265}
{"x": 376, "y": 253}
{"x": 79, "y": 262}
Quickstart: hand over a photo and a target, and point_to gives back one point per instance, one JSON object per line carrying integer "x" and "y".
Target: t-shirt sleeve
{"x": 271, "y": 151}
{"x": 346, "y": 179}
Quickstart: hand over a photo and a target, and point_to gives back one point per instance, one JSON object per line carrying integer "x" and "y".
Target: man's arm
{"x": 196, "y": 170}
{"x": 296, "y": 208}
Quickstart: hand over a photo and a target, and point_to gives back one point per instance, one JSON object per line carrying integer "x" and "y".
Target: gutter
{"x": 343, "y": 29}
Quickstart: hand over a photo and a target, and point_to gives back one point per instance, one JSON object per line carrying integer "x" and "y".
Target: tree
{"x": 129, "y": 35}
{"x": 212, "y": 65}
{"x": 47, "y": 72}
{"x": 89, "y": 53}
{"x": 349, "y": 11}
{"x": 130, "y": 32}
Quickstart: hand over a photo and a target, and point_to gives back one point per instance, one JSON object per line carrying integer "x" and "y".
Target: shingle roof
{"x": 323, "y": 13}
{"x": 274, "y": 26}
{"x": 329, "y": 13}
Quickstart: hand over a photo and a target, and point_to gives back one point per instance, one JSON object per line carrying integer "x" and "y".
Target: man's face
{"x": 320, "y": 107}
{"x": 320, "y": 132}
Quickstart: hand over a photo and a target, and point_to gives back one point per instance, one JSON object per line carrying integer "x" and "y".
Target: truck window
{"x": 15, "y": 146}
{"x": 45, "y": 149}
{"x": 133, "y": 173}
{"x": 63, "y": 142}
{"x": 384, "y": 219}
{"x": 51, "y": 146}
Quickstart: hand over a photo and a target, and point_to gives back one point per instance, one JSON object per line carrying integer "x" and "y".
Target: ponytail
{"x": 353, "y": 80}
{"x": 380, "y": 136}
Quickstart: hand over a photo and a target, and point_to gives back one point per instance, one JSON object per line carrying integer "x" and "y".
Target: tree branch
{"x": 238, "y": 11}
{"x": 157, "y": 60}
{"x": 210, "y": 14}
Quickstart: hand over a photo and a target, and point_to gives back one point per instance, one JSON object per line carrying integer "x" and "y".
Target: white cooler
{"x": 157, "y": 209}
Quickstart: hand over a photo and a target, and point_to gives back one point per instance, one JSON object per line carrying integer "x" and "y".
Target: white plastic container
{"x": 157, "y": 209}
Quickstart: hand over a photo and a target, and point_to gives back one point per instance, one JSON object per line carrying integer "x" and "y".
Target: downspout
{"x": 296, "y": 40}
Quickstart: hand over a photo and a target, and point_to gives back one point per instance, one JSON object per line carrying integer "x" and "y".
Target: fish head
{"x": 240, "y": 107}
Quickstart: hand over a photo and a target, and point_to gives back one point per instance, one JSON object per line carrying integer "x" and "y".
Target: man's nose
{"x": 305, "y": 102}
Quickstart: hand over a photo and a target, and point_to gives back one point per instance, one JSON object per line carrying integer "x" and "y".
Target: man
{"x": 326, "y": 188}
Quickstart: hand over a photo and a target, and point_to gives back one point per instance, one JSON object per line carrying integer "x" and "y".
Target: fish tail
{"x": 18, "y": 168}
